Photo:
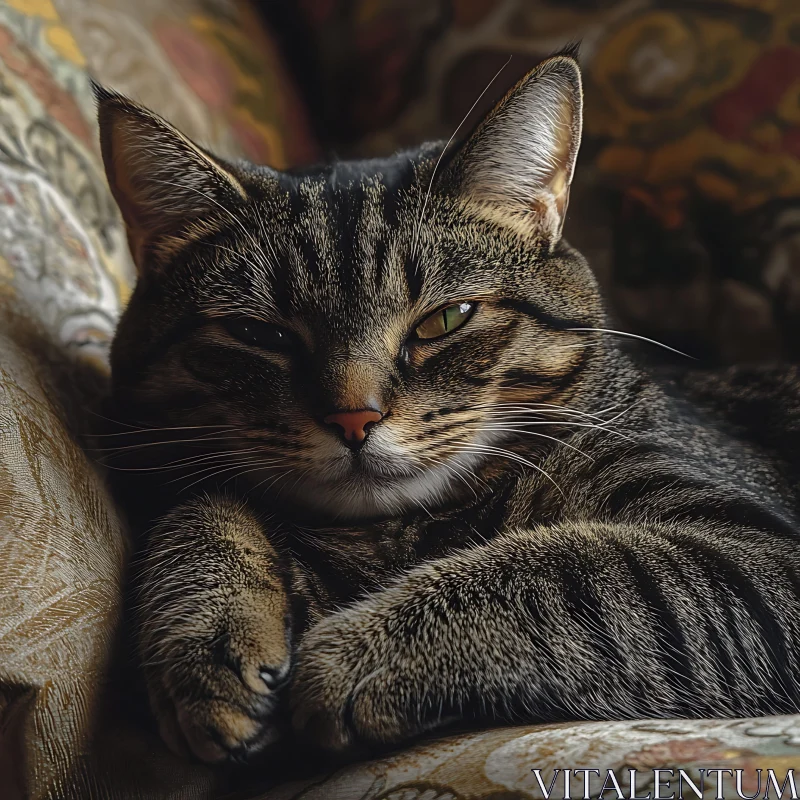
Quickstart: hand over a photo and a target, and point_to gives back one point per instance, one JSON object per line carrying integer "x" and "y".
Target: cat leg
{"x": 583, "y": 620}
{"x": 213, "y": 630}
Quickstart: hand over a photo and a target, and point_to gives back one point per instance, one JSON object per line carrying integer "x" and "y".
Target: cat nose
{"x": 354, "y": 425}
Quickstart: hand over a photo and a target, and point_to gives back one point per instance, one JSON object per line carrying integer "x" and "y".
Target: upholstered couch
{"x": 70, "y": 721}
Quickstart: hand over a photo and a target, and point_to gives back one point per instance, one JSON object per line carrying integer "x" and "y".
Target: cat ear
{"x": 162, "y": 181}
{"x": 518, "y": 164}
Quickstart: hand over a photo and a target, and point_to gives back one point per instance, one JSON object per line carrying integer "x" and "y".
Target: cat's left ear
{"x": 162, "y": 181}
{"x": 517, "y": 166}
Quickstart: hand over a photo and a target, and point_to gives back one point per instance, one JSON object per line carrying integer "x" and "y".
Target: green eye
{"x": 259, "y": 334}
{"x": 444, "y": 321}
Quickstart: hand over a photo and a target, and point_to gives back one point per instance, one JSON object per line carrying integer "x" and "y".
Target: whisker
{"x": 247, "y": 471}
{"x": 189, "y": 461}
{"x": 523, "y": 408}
{"x": 455, "y": 468}
{"x": 632, "y": 336}
{"x": 224, "y": 249}
{"x": 166, "y": 442}
{"x": 562, "y": 423}
{"x": 444, "y": 150}
{"x": 140, "y": 431}
{"x": 512, "y": 410}
{"x": 499, "y": 451}
{"x": 107, "y": 419}
{"x": 458, "y": 470}
{"x": 238, "y": 465}
{"x": 256, "y": 247}
{"x": 548, "y": 407}
{"x": 506, "y": 429}
{"x": 301, "y": 475}
{"x": 275, "y": 478}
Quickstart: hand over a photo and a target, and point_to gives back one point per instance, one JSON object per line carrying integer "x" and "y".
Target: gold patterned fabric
{"x": 65, "y": 274}
{"x": 498, "y": 765}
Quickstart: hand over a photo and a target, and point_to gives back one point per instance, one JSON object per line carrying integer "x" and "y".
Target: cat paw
{"x": 357, "y": 686}
{"x": 214, "y": 631}
{"x": 215, "y": 691}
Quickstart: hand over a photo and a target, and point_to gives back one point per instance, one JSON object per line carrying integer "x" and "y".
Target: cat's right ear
{"x": 164, "y": 184}
{"x": 516, "y": 168}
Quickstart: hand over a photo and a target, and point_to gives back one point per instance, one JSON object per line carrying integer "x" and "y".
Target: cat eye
{"x": 444, "y": 321}
{"x": 259, "y": 334}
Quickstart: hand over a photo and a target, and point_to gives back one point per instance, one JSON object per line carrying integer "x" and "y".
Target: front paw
{"x": 213, "y": 630}
{"x": 214, "y": 680}
{"x": 361, "y": 683}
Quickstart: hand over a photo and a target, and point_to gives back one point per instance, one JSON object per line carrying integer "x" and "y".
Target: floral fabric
{"x": 62, "y": 247}
{"x": 498, "y": 765}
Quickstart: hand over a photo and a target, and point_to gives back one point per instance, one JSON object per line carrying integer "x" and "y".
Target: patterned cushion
{"x": 65, "y": 274}
{"x": 498, "y": 765}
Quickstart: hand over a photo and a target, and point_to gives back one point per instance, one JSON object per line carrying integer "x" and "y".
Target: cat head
{"x": 364, "y": 328}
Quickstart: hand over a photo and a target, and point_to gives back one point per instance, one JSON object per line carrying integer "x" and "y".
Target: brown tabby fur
{"x": 537, "y": 529}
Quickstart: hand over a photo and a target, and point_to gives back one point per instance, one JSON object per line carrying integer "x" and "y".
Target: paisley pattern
{"x": 207, "y": 67}
{"x": 497, "y": 765}
{"x": 62, "y": 248}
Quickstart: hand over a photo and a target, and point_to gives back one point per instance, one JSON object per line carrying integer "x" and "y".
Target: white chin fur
{"x": 357, "y": 496}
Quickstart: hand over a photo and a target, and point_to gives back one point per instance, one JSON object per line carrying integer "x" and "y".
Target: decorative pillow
{"x": 209, "y": 67}
{"x": 500, "y": 764}
{"x": 65, "y": 274}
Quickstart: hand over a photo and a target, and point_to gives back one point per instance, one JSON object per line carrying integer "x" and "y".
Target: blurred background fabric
{"x": 686, "y": 202}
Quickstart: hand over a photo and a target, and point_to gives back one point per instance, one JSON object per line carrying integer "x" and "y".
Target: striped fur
{"x": 537, "y": 529}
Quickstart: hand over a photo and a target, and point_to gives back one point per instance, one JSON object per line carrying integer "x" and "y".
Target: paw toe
{"x": 217, "y": 731}
{"x": 275, "y": 677}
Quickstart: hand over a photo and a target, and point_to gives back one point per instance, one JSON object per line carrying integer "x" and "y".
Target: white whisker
{"x": 258, "y": 251}
{"x": 445, "y": 149}
{"x": 632, "y": 336}
{"x": 507, "y": 429}
{"x": 499, "y": 451}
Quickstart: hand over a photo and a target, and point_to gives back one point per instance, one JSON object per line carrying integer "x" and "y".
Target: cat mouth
{"x": 369, "y": 483}
{"x": 377, "y": 467}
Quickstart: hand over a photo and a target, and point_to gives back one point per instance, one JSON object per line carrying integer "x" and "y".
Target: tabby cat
{"x": 399, "y": 472}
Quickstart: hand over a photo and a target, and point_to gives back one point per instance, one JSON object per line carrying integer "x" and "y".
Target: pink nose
{"x": 354, "y": 423}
